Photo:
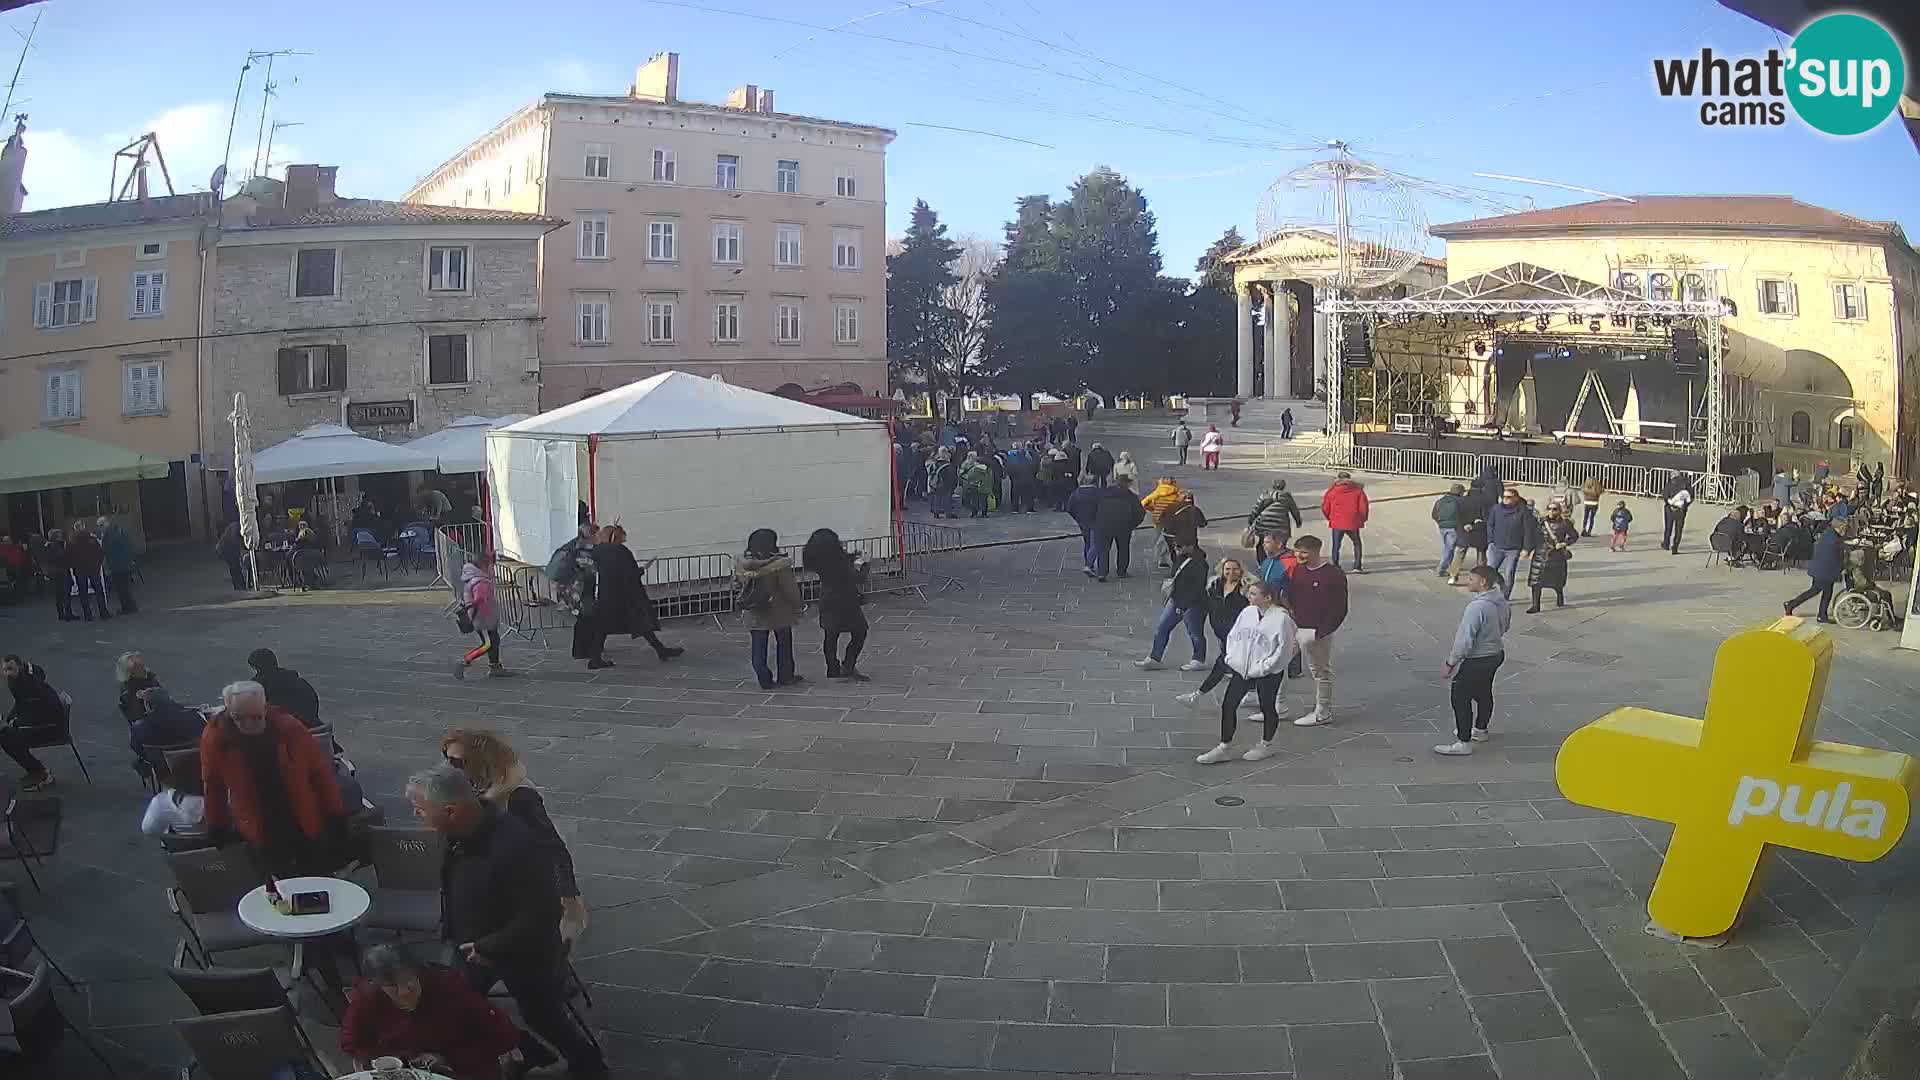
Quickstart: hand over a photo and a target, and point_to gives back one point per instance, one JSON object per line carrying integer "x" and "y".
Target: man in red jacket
{"x": 1345, "y": 508}
{"x": 1317, "y": 591}
{"x": 271, "y": 782}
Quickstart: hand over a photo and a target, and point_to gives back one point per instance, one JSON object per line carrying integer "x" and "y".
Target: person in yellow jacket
{"x": 1165, "y": 497}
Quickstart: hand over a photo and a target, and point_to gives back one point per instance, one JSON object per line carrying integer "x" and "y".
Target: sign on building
{"x": 379, "y": 414}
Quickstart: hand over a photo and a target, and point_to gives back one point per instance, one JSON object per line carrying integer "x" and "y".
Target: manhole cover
{"x": 1231, "y": 800}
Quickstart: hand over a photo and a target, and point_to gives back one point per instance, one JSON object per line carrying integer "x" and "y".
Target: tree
{"x": 1106, "y": 236}
{"x": 962, "y": 358}
{"x": 917, "y": 277}
{"x": 1026, "y": 342}
{"x": 1031, "y": 241}
{"x": 1212, "y": 270}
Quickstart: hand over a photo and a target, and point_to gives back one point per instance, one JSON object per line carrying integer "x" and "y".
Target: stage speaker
{"x": 1356, "y": 345}
{"x": 1686, "y": 350}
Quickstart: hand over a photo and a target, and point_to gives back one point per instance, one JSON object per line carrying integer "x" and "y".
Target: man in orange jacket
{"x": 270, "y": 781}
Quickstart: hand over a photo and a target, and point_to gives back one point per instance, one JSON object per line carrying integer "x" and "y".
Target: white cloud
{"x": 65, "y": 168}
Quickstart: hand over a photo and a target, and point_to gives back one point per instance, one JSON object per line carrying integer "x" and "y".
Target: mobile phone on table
{"x": 311, "y": 903}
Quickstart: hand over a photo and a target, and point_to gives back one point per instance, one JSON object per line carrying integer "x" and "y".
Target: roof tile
{"x": 385, "y": 212}
{"x": 104, "y": 215}
{"x": 1679, "y": 211}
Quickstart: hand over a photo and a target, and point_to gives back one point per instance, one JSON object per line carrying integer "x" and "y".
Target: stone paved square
{"x": 998, "y": 858}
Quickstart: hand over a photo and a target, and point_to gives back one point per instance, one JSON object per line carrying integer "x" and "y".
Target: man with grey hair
{"x": 271, "y": 782}
{"x": 501, "y": 910}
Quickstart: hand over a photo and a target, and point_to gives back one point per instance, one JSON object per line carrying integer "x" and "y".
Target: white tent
{"x": 690, "y": 466}
{"x": 461, "y": 447}
{"x": 331, "y": 450}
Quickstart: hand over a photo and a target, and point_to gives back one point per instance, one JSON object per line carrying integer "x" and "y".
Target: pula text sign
{"x": 1748, "y": 775}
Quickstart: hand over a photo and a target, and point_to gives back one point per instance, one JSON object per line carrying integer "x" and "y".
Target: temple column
{"x": 1319, "y": 347}
{"x": 1279, "y": 345}
{"x": 1243, "y": 332}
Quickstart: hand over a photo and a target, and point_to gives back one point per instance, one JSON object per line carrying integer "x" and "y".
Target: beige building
{"x": 728, "y": 240}
{"x": 1821, "y": 306}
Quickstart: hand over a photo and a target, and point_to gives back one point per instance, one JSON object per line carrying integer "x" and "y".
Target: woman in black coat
{"x": 841, "y": 580}
{"x": 625, "y": 607}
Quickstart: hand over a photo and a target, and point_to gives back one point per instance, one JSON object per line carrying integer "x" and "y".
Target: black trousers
{"x": 1118, "y": 545}
{"x": 1473, "y": 688}
{"x": 540, "y": 991}
{"x": 1024, "y": 494}
{"x": 1670, "y": 530}
{"x": 14, "y": 742}
{"x": 1220, "y": 669}
{"x": 1266, "y": 688}
{"x": 92, "y": 586}
{"x": 856, "y": 640}
{"x": 1559, "y": 594}
{"x": 589, "y": 639}
{"x": 1823, "y": 589}
{"x": 62, "y": 596}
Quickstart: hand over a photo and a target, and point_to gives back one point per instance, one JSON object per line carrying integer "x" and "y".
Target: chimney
{"x": 766, "y": 101}
{"x": 13, "y": 167}
{"x": 659, "y": 78}
{"x": 744, "y": 97}
{"x": 309, "y": 186}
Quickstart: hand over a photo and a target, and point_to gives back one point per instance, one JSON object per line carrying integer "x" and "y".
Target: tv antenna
{"x": 233, "y": 114}
{"x": 137, "y": 152}
{"x": 14, "y": 83}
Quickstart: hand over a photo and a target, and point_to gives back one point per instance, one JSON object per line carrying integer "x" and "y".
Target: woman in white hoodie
{"x": 1258, "y": 647}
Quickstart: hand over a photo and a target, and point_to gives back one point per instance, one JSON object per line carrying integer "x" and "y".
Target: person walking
{"x": 584, "y": 591}
{"x": 1678, "y": 496}
{"x": 1182, "y": 438}
{"x": 1317, "y": 593}
{"x": 1511, "y": 530}
{"x": 1159, "y": 503}
{"x": 1554, "y": 550}
{"x": 1274, "y": 514}
{"x": 1258, "y": 647}
{"x": 1622, "y": 521}
{"x": 52, "y": 556}
{"x": 84, "y": 560}
{"x": 1344, "y": 505}
{"x": 493, "y": 765}
{"x": 285, "y": 687}
{"x": 1125, "y": 469}
{"x": 1274, "y": 563}
{"x": 1082, "y": 506}
{"x": 1782, "y": 486}
{"x": 770, "y": 595}
{"x": 1181, "y": 526}
{"x": 1065, "y": 476}
{"x": 117, "y": 558}
{"x": 625, "y": 606}
{"x": 36, "y": 704}
{"x": 1233, "y": 409}
{"x": 1186, "y": 603}
{"x": 1210, "y": 444}
{"x": 1470, "y": 536}
{"x": 1479, "y": 648}
{"x": 842, "y": 579}
{"x": 1488, "y": 485}
{"x": 941, "y": 481}
{"x": 1590, "y": 493}
{"x": 1446, "y": 517}
{"x": 1226, "y": 599}
{"x": 1286, "y": 422}
{"x": 1099, "y": 464}
{"x": 478, "y": 609}
{"x": 1115, "y": 517}
{"x": 233, "y": 551}
{"x": 1826, "y": 567}
{"x": 976, "y": 481}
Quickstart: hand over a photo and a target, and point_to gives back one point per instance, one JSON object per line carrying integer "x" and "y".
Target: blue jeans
{"x": 1507, "y": 562}
{"x": 1359, "y": 556}
{"x": 1086, "y": 547}
{"x": 783, "y": 642}
{"x": 1196, "y": 620}
{"x": 1448, "y": 538}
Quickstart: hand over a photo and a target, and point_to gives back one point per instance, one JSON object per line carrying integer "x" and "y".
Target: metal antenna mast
{"x": 14, "y": 82}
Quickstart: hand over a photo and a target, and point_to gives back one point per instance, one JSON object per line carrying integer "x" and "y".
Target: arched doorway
{"x": 1810, "y": 399}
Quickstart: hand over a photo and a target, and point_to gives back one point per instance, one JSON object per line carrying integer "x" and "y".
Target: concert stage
{"x": 1593, "y": 451}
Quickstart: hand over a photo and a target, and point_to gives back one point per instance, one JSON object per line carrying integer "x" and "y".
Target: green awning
{"x": 40, "y": 459}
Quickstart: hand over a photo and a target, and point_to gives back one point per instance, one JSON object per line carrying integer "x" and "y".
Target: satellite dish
{"x": 217, "y": 183}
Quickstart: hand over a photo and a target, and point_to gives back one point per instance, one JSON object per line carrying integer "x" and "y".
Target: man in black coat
{"x": 500, "y": 907}
{"x": 1100, "y": 464}
{"x": 285, "y": 687}
{"x": 1115, "y": 517}
{"x": 624, "y": 606}
{"x": 1023, "y": 475}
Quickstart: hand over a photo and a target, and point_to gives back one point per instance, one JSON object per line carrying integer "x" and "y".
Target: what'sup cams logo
{"x": 1843, "y": 75}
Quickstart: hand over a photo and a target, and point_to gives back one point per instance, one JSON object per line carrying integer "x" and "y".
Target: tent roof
{"x": 38, "y": 459}
{"x": 331, "y": 450}
{"x": 461, "y": 447}
{"x": 674, "y": 402}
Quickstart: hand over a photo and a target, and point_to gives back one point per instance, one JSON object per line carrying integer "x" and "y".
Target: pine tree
{"x": 918, "y": 277}
{"x": 1212, "y": 270}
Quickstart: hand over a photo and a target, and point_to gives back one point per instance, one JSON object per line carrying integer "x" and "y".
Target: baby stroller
{"x": 1865, "y": 603}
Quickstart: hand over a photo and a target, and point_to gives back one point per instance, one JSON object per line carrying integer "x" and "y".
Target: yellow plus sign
{"x": 1747, "y": 776}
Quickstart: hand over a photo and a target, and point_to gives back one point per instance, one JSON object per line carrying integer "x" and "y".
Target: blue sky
{"x": 1202, "y": 104}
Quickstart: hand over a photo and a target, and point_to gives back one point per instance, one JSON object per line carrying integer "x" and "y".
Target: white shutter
{"x": 54, "y": 382}
{"x": 43, "y": 304}
{"x": 1793, "y": 299}
{"x": 134, "y": 393}
{"x": 156, "y": 291}
{"x": 89, "y": 291}
{"x": 1839, "y": 301}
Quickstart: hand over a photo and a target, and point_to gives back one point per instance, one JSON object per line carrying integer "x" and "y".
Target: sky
{"x": 1202, "y": 104}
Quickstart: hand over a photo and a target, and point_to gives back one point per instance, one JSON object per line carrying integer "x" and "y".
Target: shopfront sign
{"x": 1747, "y": 776}
{"x": 375, "y": 414}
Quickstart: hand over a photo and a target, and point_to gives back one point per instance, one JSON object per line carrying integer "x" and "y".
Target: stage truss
{"x": 1430, "y": 339}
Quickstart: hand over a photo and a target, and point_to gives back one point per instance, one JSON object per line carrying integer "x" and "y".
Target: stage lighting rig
{"x": 1593, "y": 324}
{"x": 1619, "y": 322}
{"x": 1479, "y": 347}
{"x": 1542, "y": 322}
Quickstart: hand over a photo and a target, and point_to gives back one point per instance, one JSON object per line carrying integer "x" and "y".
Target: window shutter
{"x": 89, "y": 291}
{"x": 156, "y": 291}
{"x": 1839, "y": 301}
{"x": 43, "y": 303}
{"x": 132, "y": 395}
{"x": 153, "y": 385}
{"x": 336, "y": 367}
{"x": 53, "y": 395}
{"x": 1793, "y": 299}
{"x": 1760, "y": 296}
{"x": 286, "y": 360}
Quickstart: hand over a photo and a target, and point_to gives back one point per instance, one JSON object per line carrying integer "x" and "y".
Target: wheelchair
{"x": 1858, "y": 609}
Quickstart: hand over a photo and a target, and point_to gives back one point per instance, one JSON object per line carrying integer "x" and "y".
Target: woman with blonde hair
{"x": 493, "y": 766}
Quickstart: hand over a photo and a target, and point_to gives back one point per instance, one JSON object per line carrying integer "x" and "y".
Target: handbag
{"x": 1250, "y": 538}
{"x": 463, "y": 618}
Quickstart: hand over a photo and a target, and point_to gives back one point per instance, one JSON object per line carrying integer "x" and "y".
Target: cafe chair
{"x": 246, "y": 1045}
{"x": 19, "y": 845}
{"x": 31, "y": 1006}
{"x": 205, "y": 897}
{"x": 232, "y": 990}
{"x": 155, "y": 759}
{"x": 368, "y": 549}
{"x": 416, "y": 545}
{"x": 18, "y": 948}
{"x": 406, "y": 867}
{"x": 53, "y": 736}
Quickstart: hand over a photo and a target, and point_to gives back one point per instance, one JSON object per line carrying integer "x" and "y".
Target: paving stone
{"x": 1033, "y": 824}
{"x": 1027, "y": 891}
{"x": 779, "y": 1029}
{"x": 1403, "y": 924}
{"x": 1810, "y": 979}
{"x": 1267, "y": 867}
{"x": 1212, "y": 1050}
{"x": 1544, "y": 857}
{"x": 1624, "y": 1046}
{"x": 1424, "y": 863}
{"x": 1046, "y": 960}
{"x": 931, "y": 956}
{"x": 1158, "y": 866}
{"x": 912, "y": 1040}
{"x": 641, "y": 1012}
{"x": 1219, "y": 896}
{"x": 1357, "y": 839}
{"x": 846, "y": 950}
{"x": 1340, "y": 1052}
{"x": 858, "y": 913}
{"x": 1382, "y": 960}
{"x": 1123, "y": 894}
{"x": 1773, "y": 1021}
{"x": 974, "y": 921}
{"x": 759, "y": 798}
{"x": 989, "y": 999}
{"x": 1453, "y": 836}
{"x": 1713, "y": 1048}
{"x": 1254, "y": 1004}
{"x": 641, "y": 969}
{"x": 1136, "y": 839}
{"x": 1426, "y": 1018}
{"x": 1427, "y": 891}
{"x": 1328, "y": 895}
{"x": 919, "y": 855}
{"x": 1172, "y": 963}
{"x": 768, "y": 894}
{"x": 878, "y": 991}
{"x": 1062, "y": 1048}
{"x": 1460, "y": 1068}
{"x": 1275, "y": 963}
{"x": 778, "y": 944}
{"x": 1442, "y": 793}
{"x": 1344, "y": 864}
{"x": 1108, "y": 1003}
{"x": 771, "y": 984}
{"x": 1733, "y": 969}
{"x": 1673, "y": 993}
{"x": 1585, "y": 983}
{"x": 1548, "y": 926}
{"x": 1522, "y": 1017}
{"x": 1560, "y": 1059}
{"x": 806, "y": 1068}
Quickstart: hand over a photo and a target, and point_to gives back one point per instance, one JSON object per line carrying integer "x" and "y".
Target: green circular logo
{"x": 1846, "y": 74}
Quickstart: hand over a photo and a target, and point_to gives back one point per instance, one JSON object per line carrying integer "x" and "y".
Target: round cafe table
{"x": 348, "y": 904}
{"x": 409, "y": 1073}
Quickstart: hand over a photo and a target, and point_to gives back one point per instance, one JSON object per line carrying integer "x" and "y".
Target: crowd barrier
{"x": 451, "y": 543}
{"x": 1619, "y": 479}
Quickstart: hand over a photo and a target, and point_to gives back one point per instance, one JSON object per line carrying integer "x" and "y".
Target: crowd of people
{"x": 82, "y": 566}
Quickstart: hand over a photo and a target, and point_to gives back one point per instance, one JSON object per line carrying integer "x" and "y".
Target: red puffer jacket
{"x": 1345, "y": 505}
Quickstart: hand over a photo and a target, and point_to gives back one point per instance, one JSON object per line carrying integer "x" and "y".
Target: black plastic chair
{"x": 18, "y": 845}
{"x": 246, "y": 1045}
{"x": 406, "y": 867}
{"x": 53, "y": 736}
{"x": 205, "y": 897}
{"x": 156, "y": 759}
{"x": 231, "y": 990}
{"x": 30, "y": 1001}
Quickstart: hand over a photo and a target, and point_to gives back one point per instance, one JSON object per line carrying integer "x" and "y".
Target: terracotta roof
{"x": 552, "y": 97}
{"x": 385, "y": 212}
{"x": 1710, "y": 212}
{"x": 104, "y": 215}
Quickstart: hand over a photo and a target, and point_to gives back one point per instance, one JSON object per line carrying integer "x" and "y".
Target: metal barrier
{"x": 451, "y": 543}
{"x": 1619, "y": 479}
{"x": 688, "y": 585}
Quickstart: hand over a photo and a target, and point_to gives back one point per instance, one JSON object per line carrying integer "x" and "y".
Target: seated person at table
{"x": 165, "y": 722}
{"x": 178, "y": 808}
{"x": 285, "y": 687}
{"x": 426, "y": 1015}
{"x": 307, "y": 555}
{"x": 269, "y": 782}
{"x": 134, "y": 677}
{"x": 1729, "y": 535}
{"x": 35, "y": 704}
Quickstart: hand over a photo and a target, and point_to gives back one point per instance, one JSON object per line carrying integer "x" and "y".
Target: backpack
{"x": 755, "y": 594}
{"x": 560, "y": 567}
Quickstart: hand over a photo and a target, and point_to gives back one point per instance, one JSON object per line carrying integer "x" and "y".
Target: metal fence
{"x": 1619, "y": 479}
{"x": 451, "y": 544}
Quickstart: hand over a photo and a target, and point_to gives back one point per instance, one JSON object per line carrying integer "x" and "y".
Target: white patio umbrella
{"x": 244, "y": 499}
{"x": 461, "y": 447}
{"x": 331, "y": 450}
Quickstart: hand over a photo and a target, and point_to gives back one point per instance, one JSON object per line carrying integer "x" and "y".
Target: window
{"x": 447, "y": 363}
{"x": 593, "y": 234}
{"x": 846, "y": 249}
{"x": 845, "y": 184}
{"x": 846, "y": 323}
{"x": 1627, "y": 282}
{"x": 67, "y": 302}
{"x": 486, "y": 194}
{"x": 1800, "y": 429}
{"x": 726, "y": 241}
{"x": 1778, "y": 297}
{"x": 599, "y": 163}
{"x": 447, "y": 268}
{"x": 527, "y": 170}
{"x": 786, "y": 177}
{"x": 145, "y": 388}
{"x": 1694, "y": 286}
{"x": 726, "y": 172}
{"x": 313, "y": 369}
{"x": 663, "y": 166}
{"x": 786, "y": 245}
{"x": 148, "y": 295}
{"x": 726, "y": 320}
{"x": 660, "y": 247}
{"x": 506, "y": 183}
{"x": 315, "y": 273}
{"x": 593, "y": 318}
{"x": 660, "y": 320}
{"x": 786, "y": 322}
{"x": 63, "y": 395}
{"x": 1660, "y": 287}
{"x": 1845, "y": 436}
{"x": 1849, "y": 302}
{"x": 152, "y": 249}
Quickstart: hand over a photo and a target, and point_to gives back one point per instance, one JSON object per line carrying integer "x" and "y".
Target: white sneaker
{"x": 1481, "y": 734}
{"x": 1191, "y": 697}
{"x": 1260, "y": 752}
{"x": 1313, "y": 719}
{"x": 1195, "y": 665}
{"x": 1216, "y": 755}
{"x": 1454, "y": 749}
{"x": 1149, "y": 664}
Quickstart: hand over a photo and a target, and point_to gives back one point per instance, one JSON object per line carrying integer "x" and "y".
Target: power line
{"x": 989, "y": 134}
{"x": 270, "y": 330}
